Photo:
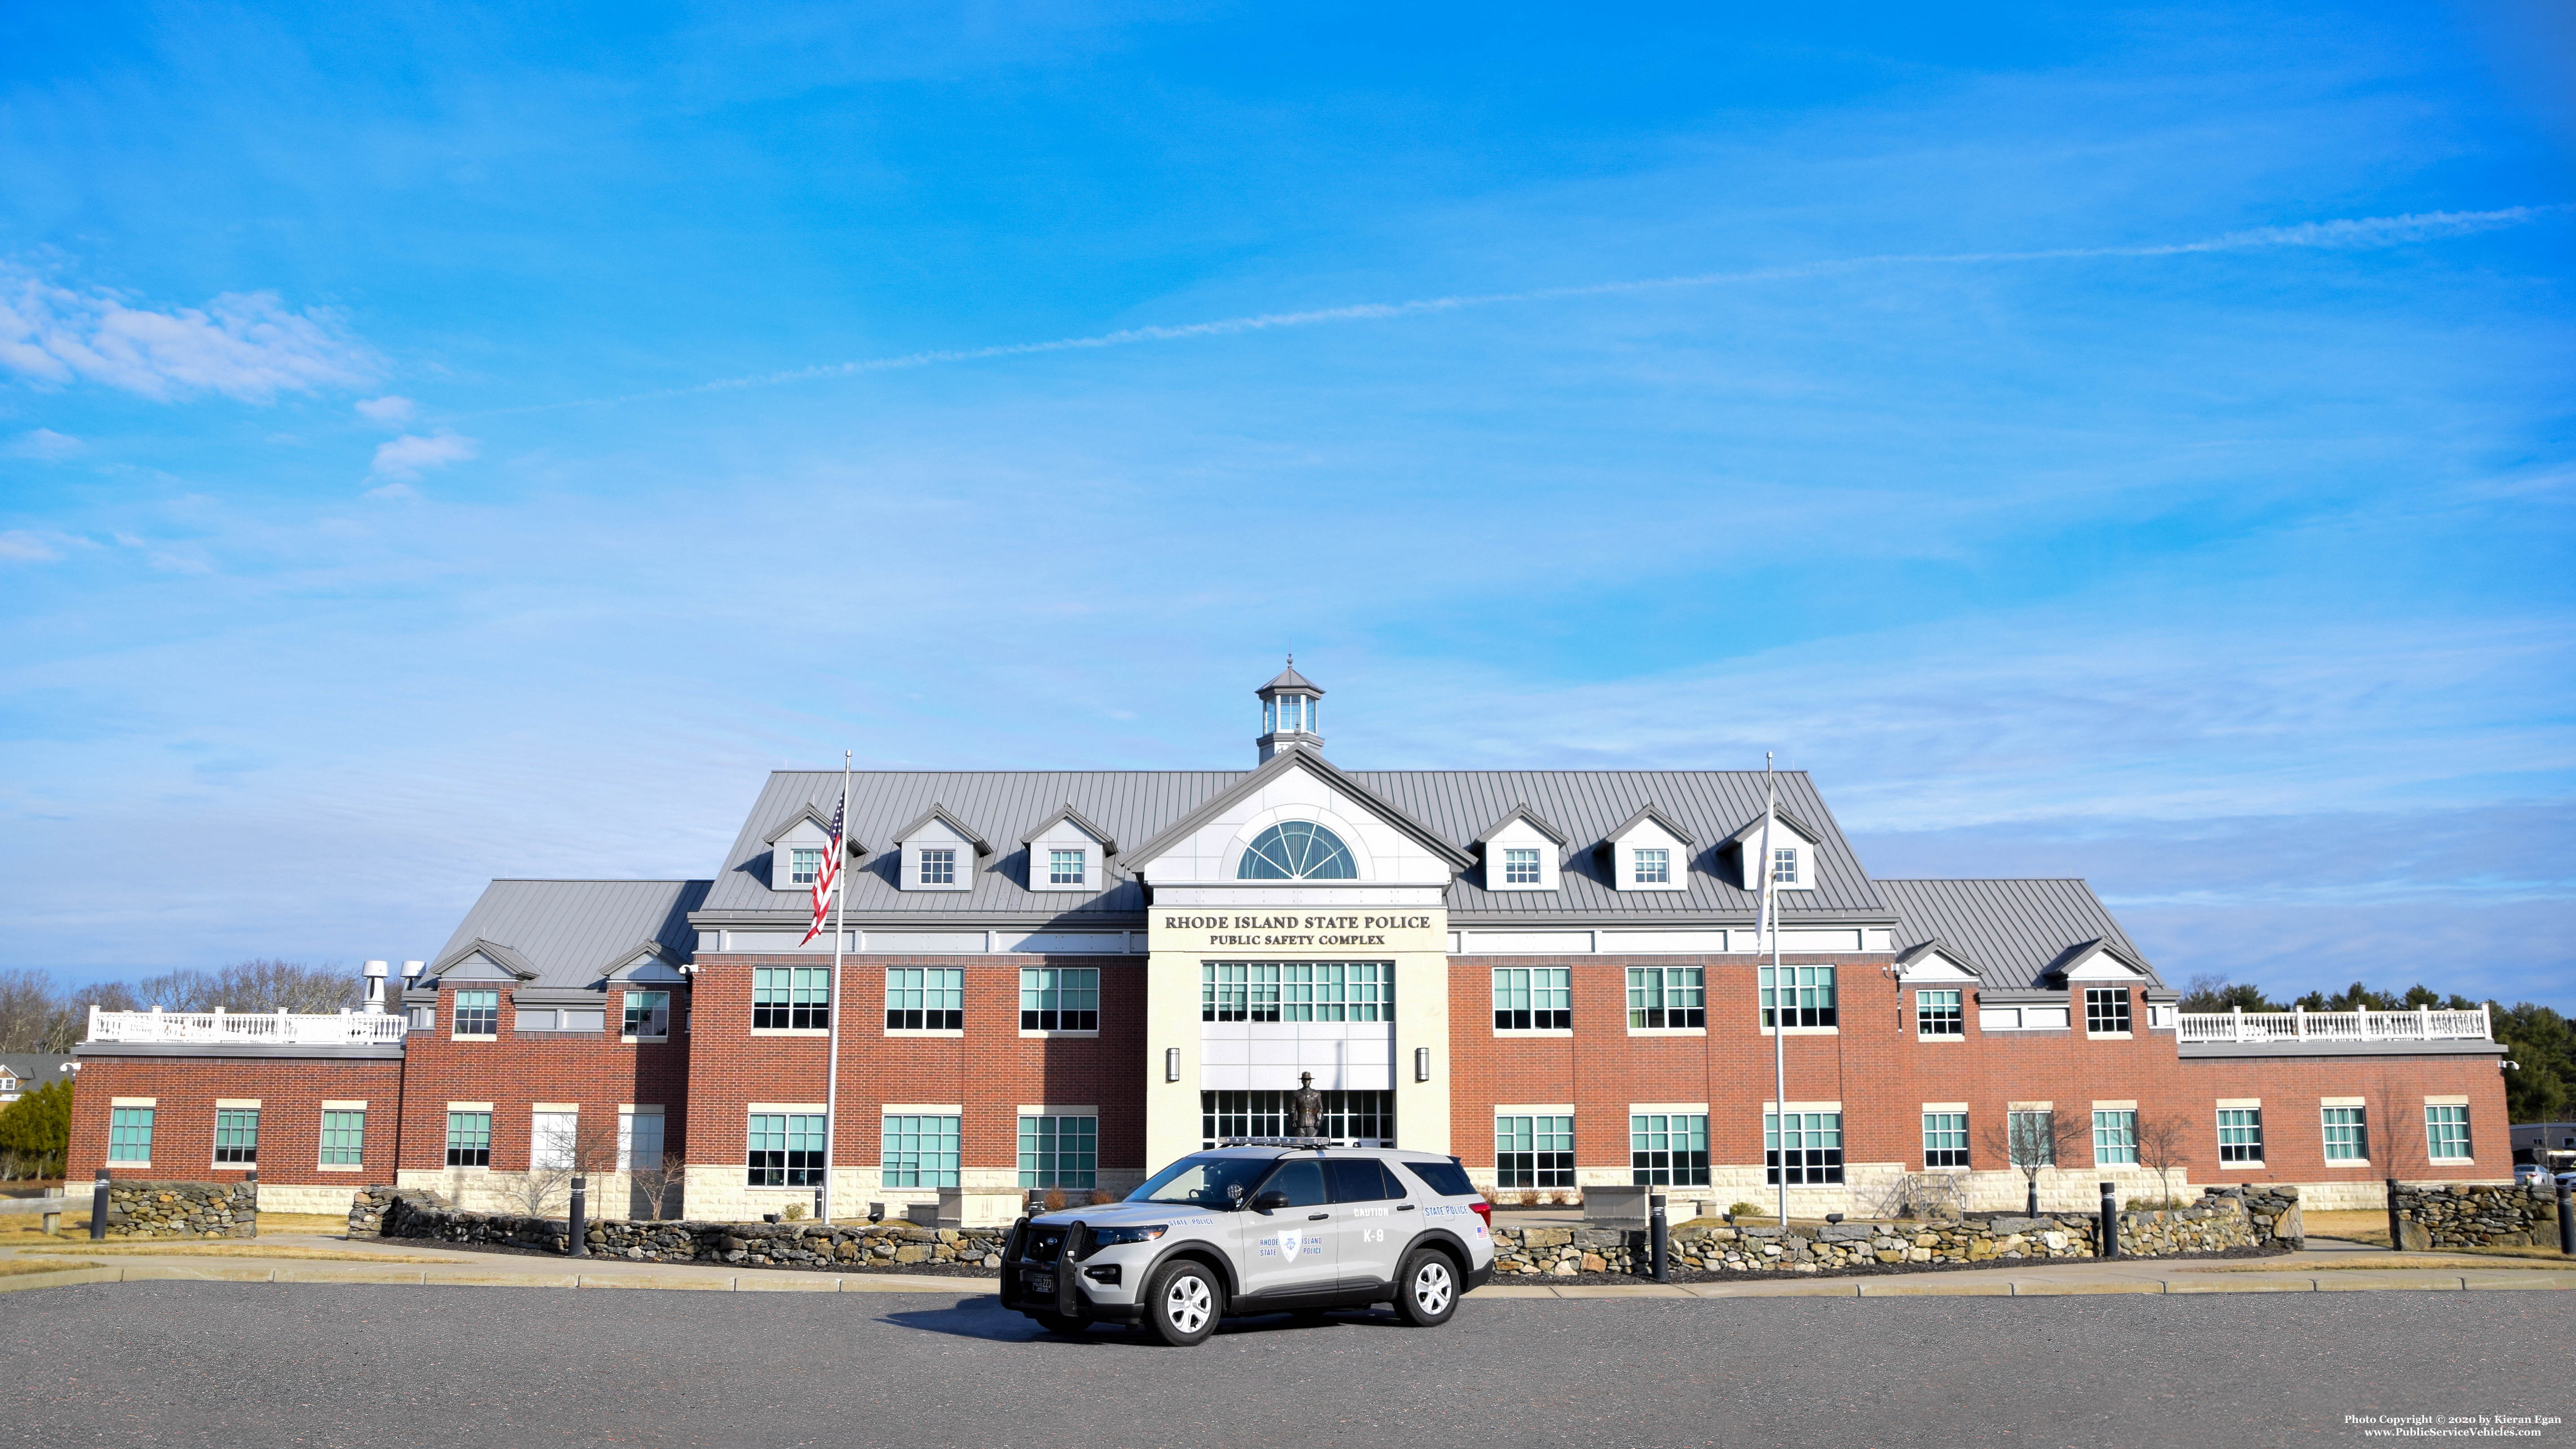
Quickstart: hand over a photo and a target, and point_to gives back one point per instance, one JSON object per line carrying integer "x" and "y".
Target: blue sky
{"x": 440, "y": 444}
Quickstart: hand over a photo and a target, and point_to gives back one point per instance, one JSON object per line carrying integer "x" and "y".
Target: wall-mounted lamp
{"x": 1422, "y": 1064}
{"x": 1171, "y": 1064}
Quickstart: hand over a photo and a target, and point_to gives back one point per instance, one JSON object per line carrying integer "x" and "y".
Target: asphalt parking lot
{"x": 234, "y": 1364}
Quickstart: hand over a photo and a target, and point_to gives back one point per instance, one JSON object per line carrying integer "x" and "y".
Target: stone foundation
{"x": 2223, "y": 1219}
{"x": 2475, "y": 1215}
{"x": 141, "y": 1209}
{"x": 401, "y": 1214}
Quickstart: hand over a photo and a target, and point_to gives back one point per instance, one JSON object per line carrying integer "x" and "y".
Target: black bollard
{"x": 2031, "y": 1208}
{"x": 2567, "y": 1219}
{"x": 251, "y": 1179}
{"x": 2396, "y": 1240}
{"x": 98, "y": 1206}
{"x": 580, "y": 1216}
{"x": 1661, "y": 1230}
{"x": 2110, "y": 1223}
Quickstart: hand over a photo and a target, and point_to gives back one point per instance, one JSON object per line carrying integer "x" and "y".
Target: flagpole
{"x": 832, "y": 1056}
{"x": 1770, "y": 914}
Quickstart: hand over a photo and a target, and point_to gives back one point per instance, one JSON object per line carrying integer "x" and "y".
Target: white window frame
{"x": 322, "y": 1146}
{"x": 2359, "y": 1128}
{"x": 1526, "y": 983}
{"x": 1654, "y": 989}
{"x": 804, "y": 866}
{"x": 1650, "y": 867}
{"x": 627, "y": 1118}
{"x": 1067, "y": 983}
{"x": 2123, "y": 1124}
{"x": 1956, "y": 1013}
{"x": 1966, "y": 1147}
{"x": 923, "y": 981}
{"x": 149, "y": 1119}
{"x": 1544, "y": 1131}
{"x": 2253, "y": 1124}
{"x": 2118, "y": 1004}
{"x": 456, "y": 1013}
{"x": 626, "y": 1013}
{"x": 2433, "y": 1142}
{"x": 553, "y": 1137}
{"x": 924, "y": 1170}
{"x": 1521, "y": 868}
{"x": 1799, "y": 985}
{"x": 1059, "y": 855}
{"x": 1034, "y": 1145}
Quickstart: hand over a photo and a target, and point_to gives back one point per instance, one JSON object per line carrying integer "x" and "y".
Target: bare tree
{"x": 259, "y": 984}
{"x": 651, "y": 1181}
{"x": 2164, "y": 1145}
{"x": 555, "y": 1156}
{"x": 2032, "y": 1142}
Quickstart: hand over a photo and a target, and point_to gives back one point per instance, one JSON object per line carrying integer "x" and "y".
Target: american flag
{"x": 830, "y": 875}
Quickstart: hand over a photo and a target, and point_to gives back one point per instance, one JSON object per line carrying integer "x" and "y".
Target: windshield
{"x": 1202, "y": 1181}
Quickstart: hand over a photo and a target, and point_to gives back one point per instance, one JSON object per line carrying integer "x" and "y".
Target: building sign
{"x": 1322, "y": 932}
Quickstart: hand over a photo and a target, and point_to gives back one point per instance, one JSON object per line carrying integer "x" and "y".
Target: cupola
{"x": 1288, "y": 712}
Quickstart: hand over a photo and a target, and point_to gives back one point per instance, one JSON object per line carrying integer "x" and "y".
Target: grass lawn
{"x": 217, "y": 1248}
{"x": 10, "y": 1268}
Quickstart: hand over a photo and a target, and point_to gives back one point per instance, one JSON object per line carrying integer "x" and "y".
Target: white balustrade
{"x": 281, "y": 1028}
{"x": 2421, "y": 1024}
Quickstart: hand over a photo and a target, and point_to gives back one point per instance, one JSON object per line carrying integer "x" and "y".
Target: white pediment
{"x": 1211, "y": 853}
{"x": 2101, "y": 963}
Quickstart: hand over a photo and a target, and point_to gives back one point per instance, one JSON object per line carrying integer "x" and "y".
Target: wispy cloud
{"x": 246, "y": 345}
{"x": 388, "y": 411}
{"x": 411, "y": 455}
{"x": 20, "y": 546}
{"x": 45, "y": 444}
{"x": 2350, "y": 234}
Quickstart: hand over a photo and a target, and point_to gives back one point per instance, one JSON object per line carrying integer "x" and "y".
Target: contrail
{"x": 2355, "y": 233}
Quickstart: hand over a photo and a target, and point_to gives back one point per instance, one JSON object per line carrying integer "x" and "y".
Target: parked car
{"x": 1267, "y": 1226}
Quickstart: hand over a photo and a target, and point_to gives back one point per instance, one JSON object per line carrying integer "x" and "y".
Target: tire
{"x": 1426, "y": 1291}
{"x": 1059, "y": 1324}
{"x": 1183, "y": 1301}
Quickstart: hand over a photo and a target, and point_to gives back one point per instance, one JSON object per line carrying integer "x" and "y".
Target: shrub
{"x": 1100, "y": 1198}
{"x": 1055, "y": 1200}
{"x": 1744, "y": 1210}
{"x": 795, "y": 1212}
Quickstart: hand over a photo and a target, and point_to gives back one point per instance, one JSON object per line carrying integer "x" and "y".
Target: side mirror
{"x": 1274, "y": 1198}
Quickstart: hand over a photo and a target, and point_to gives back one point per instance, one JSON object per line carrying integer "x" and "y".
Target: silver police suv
{"x": 1261, "y": 1225}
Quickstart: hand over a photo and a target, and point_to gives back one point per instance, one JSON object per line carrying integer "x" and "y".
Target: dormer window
{"x": 1066, "y": 867}
{"x": 1786, "y": 841}
{"x": 939, "y": 866}
{"x": 804, "y": 866}
{"x": 1520, "y": 867}
{"x": 1650, "y": 852}
{"x": 1654, "y": 866}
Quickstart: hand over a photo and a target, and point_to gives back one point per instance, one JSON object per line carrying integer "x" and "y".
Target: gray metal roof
{"x": 35, "y": 1068}
{"x": 2014, "y": 929}
{"x": 1456, "y": 806}
{"x": 572, "y": 932}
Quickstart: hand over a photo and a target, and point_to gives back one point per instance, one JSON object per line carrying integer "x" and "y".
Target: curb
{"x": 2523, "y": 1280}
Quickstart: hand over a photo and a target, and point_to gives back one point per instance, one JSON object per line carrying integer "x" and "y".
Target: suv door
{"x": 1374, "y": 1220}
{"x": 1293, "y": 1249}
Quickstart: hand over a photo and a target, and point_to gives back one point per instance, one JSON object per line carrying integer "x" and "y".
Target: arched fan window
{"x": 1297, "y": 850}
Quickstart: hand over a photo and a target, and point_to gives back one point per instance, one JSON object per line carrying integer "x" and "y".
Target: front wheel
{"x": 1183, "y": 1301}
{"x": 1427, "y": 1290}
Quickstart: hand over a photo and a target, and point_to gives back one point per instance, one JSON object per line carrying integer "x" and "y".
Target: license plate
{"x": 1038, "y": 1282}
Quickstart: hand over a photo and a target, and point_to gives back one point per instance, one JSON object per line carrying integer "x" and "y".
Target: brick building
{"x": 1053, "y": 979}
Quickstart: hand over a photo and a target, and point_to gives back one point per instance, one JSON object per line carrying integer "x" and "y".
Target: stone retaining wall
{"x": 2475, "y": 1215}
{"x": 392, "y": 1214}
{"x": 2221, "y": 1220}
{"x": 142, "y": 1209}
